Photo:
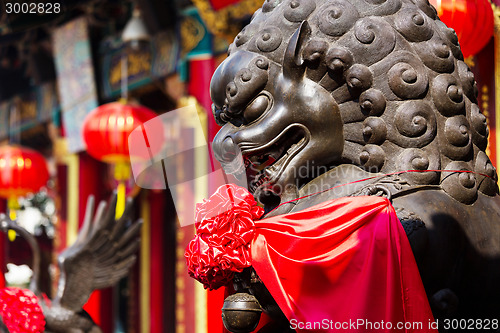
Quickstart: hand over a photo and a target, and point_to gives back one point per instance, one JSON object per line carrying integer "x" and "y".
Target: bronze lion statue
{"x": 316, "y": 94}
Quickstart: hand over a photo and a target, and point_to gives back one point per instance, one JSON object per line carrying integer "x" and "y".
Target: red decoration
{"x": 342, "y": 262}
{"x": 20, "y": 311}
{"x": 346, "y": 260}
{"x": 225, "y": 227}
{"x": 472, "y": 20}
{"x": 106, "y": 130}
{"x": 22, "y": 171}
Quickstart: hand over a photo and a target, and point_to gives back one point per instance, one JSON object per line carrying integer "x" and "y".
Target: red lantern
{"x": 472, "y": 20}
{"x": 22, "y": 171}
{"x": 106, "y": 130}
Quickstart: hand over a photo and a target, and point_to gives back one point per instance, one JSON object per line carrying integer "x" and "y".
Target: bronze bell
{"x": 241, "y": 313}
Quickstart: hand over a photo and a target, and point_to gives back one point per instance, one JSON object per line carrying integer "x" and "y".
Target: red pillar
{"x": 92, "y": 176}
{"x": 157, "y": 304}
{"x": 200, "y": 72}
{"x": 3, "y": 243}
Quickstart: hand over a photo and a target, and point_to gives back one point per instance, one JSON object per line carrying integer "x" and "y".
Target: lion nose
{"x": 226, "y": 150}
{"x": 229, "y": 155}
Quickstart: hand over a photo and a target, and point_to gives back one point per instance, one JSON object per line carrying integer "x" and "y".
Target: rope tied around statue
{"x": 387, "y": 193}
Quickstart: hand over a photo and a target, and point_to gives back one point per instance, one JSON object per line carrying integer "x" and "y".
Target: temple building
{"x": 59, "y": 64}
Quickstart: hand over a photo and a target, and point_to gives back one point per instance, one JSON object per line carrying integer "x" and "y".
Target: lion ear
{"x": 293, "y": 63}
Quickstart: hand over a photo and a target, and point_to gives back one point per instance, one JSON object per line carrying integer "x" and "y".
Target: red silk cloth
{"x": 342, "y": 261}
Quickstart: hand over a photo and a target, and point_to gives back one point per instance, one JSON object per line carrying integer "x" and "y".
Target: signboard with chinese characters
{"x": 47, "y": 102}
{"x": 4, "y": 119}
{"x": 23, "y": 113}
{"x": 225, "y": 18}
{"x": 144, "y": 64}
{"x": 75, "y": 75}
{"x": 28, "y": 109}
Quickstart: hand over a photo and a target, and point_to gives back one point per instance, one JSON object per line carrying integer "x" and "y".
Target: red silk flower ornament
{"x": 224, "y": 230}
{"x": 20, "y": 311}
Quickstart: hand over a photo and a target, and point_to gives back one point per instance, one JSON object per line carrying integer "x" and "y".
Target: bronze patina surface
{"x": 241, "y": 313}
{"x": 320, "y": 93}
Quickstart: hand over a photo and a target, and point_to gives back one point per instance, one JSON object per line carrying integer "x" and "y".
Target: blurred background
{"x": 120, "y": 63}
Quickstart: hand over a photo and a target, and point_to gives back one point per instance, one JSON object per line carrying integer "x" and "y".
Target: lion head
{"x": 380, "y": 84}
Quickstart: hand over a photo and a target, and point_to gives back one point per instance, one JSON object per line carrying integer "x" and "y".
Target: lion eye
{"x": 255, "y": 109}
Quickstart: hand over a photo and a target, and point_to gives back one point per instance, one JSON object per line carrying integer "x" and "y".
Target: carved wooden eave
{"x": 225, "y": 22}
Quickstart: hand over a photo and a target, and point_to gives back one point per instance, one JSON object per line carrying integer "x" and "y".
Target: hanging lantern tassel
{"x": 13, "y": 205}
{"x": 122, "y": 174}
{"x": 22, "y": 171}
{"x": 106, "y": 130}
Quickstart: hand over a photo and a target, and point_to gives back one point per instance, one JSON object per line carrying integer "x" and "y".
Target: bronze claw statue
{"x": 102, "y": 254}
{"x": 316, "y": 94}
